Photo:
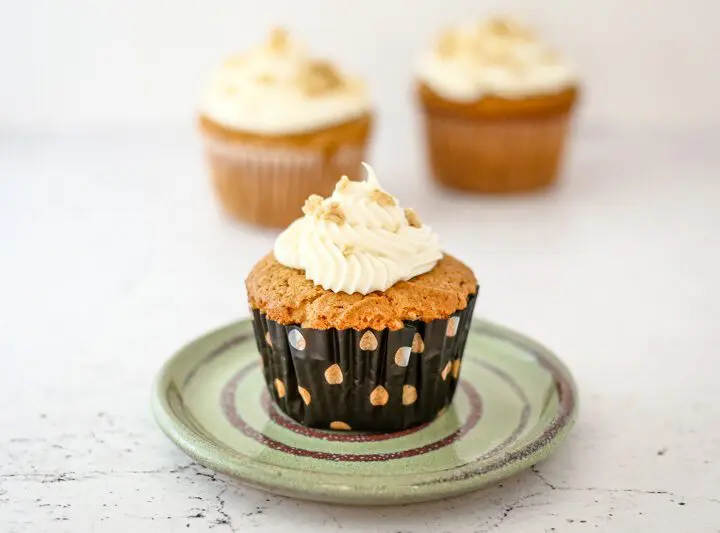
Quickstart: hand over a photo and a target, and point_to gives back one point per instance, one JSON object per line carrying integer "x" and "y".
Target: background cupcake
{"x": 497, "y": 104}
{"x": 278, "y": 126}
{"x": 360, "y": 318}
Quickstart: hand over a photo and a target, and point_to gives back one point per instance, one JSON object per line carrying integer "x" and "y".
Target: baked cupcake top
{"x": 496, "y": 57}
{"x": 358, "y": 260}
{"x": 278, "y": 89}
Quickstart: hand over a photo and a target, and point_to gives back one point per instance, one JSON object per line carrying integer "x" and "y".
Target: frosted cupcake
{"x": 360, "y": 319}
{"x": 497, "y": 104}
{"x": 278, "y": 126}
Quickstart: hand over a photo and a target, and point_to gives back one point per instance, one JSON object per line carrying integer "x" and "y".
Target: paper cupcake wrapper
{"x": 363, "y": 379}
{"x": 496, "y": 155}
{"x": 268, "y": 185}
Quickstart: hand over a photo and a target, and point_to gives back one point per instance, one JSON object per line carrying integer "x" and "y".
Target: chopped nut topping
{"x": 266, "y": 79}
{"x": 382, "y": 198}
{"x": 333, "y": 213}
{"x": 312, "y": 204}
{"x": 278, "y": 40}
{"x": 319, "y": 77}
{"x": 447, "y": 45}
{"x": 412, "y": 218}
{"x": 340, "y": 186}
{"x": 347, "y": 250}
{"x": 507, "y": 28}
{"x": 499, "y": 27}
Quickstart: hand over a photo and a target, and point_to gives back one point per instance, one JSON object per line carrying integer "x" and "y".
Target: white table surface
{"x": 113, "y": 254}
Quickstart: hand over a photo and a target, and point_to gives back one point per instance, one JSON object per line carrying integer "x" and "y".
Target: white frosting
{"x": 358, "y": 240}
{"x": 278, "y": 89}
{"x": 497, "y": 57}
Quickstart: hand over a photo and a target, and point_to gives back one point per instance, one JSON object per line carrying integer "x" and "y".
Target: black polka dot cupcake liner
{"x": 365, "y": 380}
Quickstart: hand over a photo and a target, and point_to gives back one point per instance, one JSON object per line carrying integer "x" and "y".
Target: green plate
{"x": 515, "y": 403}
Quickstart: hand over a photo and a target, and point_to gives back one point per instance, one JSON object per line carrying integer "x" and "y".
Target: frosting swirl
{"x": 497, "y": 57}
{"x": 279, "y": 89}
{"x": 358, "y": 240}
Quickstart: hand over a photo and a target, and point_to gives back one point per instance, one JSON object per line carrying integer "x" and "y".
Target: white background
{"x": 141, "y": 62}
{"x": 113, "y": 254}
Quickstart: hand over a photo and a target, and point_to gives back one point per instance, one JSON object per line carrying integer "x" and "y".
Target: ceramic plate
{"x": 516, "y": 401}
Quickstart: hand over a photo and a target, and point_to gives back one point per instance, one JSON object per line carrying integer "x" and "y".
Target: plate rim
{"x": 329, "y": 487}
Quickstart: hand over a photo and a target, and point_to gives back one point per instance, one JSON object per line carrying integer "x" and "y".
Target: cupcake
{"x": 497, "y": 104}
{"x": 279, "y": 125}
{"x": 360, "y": 318}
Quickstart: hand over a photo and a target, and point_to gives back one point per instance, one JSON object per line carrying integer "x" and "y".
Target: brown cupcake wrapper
{"x": 500, "y": 155}
{"x": 268, "y": 185}
{"x": 365, "y": 380}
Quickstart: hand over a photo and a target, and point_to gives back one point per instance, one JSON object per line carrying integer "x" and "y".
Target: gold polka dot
{"x": 446, "y": 370}
{"x": 379, "y": 396}
{"x": 338, "y": 425}
{"x": 334, "y": 375}
{"x": 418, "y": 346}
{"x": 409, "y": 395}
{"x": 402, "y": 356}
{"x": 305, "y": 395}
{"x": 368, "y": 341}
{"x": 456, "y": 368}
{"x": 452, "y": 326}
{"x": 296, "y": 339}
{"x": 268, "y": 339}
{"x": 280, "y": 388}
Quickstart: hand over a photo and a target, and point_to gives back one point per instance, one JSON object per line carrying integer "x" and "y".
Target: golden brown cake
{"x": 279, "y": 125}
{"x": 309, "y": 164}
{"x": 284, "y": 295}
{"x": 497, "y": 106}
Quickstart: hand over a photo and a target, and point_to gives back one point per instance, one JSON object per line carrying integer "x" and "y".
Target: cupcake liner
{"x": 496, "y": 155}
{"x": 346, "y": 379}
{"x": 267, "y": 185}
